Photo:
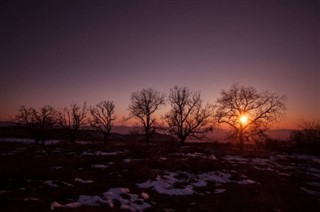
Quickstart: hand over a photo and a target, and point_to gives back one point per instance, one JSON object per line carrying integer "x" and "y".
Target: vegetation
{"x": 308, "y": 137}
{"x": 102, "y": 118}
{"x": 71, "y": 119}
{"x": 249, "y": 112}
{"x": 188, "y": 116}
{"x": 208, "y": 175}
{"x": 143, "y": 105}
{"x": 36, "y": 121}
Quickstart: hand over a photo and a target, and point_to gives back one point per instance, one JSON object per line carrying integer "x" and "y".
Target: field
{"x": 162, "y": 176}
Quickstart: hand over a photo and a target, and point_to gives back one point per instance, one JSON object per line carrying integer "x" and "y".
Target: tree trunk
{"x": 182, "y": 141}
{"x": 106, "y": 138}
{"x": 241, "y": 140}
{"x": 147, "y": 135}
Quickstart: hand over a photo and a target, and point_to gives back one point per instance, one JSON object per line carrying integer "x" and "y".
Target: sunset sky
{"x": 62, "y": 51}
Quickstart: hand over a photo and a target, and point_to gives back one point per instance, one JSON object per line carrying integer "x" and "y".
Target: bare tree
{"x": 102, "y": 118}
{"x": 308, "y": 134}
{"x": 72, "y": 119}
{"x": 143, "y": 104}
{"x": 188, "y": 116}
{"x": 249, "y": 112}
{"x": 36, "y": 121}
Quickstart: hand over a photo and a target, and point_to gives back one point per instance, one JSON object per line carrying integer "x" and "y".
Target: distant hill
{"x": 221, "y": 135}
{"x": 10, "y": 128}
{"x": 7, "y": 123}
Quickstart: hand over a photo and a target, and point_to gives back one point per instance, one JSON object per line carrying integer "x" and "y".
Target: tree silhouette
{"x": 143, "y": 104}
{"x": 249, "y": 112}
{"x": 71, "y": 119}
{"x": 309, "y": 134}
{"x": 188, "y": 116}
{"x": 36, "y": 121}
{"x": 102, "y": 118}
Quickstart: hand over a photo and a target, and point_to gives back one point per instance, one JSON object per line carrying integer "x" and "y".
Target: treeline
{"x": 246, "y": 111}
{"x": 306, "y": 139}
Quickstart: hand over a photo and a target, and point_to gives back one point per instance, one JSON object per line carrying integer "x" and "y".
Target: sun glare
{"x": 243, "y": 119}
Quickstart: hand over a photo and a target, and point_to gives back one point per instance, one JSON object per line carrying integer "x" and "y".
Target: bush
{"x": 308, "y": 138}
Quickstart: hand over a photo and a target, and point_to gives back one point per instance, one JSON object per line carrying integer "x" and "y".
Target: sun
{"x": 243, "y": 119}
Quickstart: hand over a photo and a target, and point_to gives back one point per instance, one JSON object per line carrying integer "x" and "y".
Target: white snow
{"x": 129, "y": 160}
{"x": 84, "y": 200}
{"x": 99, "y": 166}
{"x": 263, "y": 169}
{"x": 128, "y": 201}
{"x": 18, "y": 140}
{"x": 56, "y": 167}
{"x": 316, "y": 193}
{"x": 163, "y": 187}
{"x": 100, "y": 153}
{"x": 219, "y": 191}
{"x": 235, "y": 158}
{"x": 79, "y": 180}
{"x": 195, "y": 155}
{"x": 51, "y": 183}
{"x": 56, "y": 183}
{"x": 245, "y": 182}
{"x": 166, "y": 184}
{"x": 280, "y": 163}
{"x": 145, "y": 195}
{"x": 27, "y": 141}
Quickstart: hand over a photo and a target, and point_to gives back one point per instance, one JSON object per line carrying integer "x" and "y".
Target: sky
{"x": 58, "y": 52}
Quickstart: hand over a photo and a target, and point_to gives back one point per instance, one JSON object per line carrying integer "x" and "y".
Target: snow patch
{"x": 219, "y": 191}
{"x": 99, "y": 166}
{"x": 316, "y": 193}
{"x": 167, "y": 184}
{"x": 196, "y": 155}
{"x": 56, "y": 167}
{"x": 79, "y": 180}
{"x": 51, "y": 183}
{"x": 129, "y": 160}
{"x": 127, "y": 200}
{"x": 56, "y": 183}
{"x": 100, "y": 153}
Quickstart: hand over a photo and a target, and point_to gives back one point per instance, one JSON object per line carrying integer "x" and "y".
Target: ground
{"x": 157, "y": 177}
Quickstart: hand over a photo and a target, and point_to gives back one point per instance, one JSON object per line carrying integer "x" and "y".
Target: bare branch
{"x": 261, "y": 109}
{"x": 102, "y": 118}
{"x": 143, "y": 104}
{"x": 188, "y": 116}
{"x": 72, "y": 118}
{"x": 36, "y": 121}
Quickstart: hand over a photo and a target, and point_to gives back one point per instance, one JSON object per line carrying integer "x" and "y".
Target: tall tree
{"x": 36, "y": 121}
{"x": 249, "y": 112}
{"x": 102, "y": 118}
{"x": 143, "y": 105}
{"x": 72, "y": 118}
{"x": 188, "y": 115}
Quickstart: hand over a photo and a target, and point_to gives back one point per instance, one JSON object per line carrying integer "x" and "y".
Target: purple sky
{"x": 59, "y": 52}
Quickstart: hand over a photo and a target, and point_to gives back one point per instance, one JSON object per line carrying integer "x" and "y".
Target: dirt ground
{"x": 158, "y": 177}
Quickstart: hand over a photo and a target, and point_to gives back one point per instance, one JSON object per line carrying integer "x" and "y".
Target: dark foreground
{"x": 158, "y": 177}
